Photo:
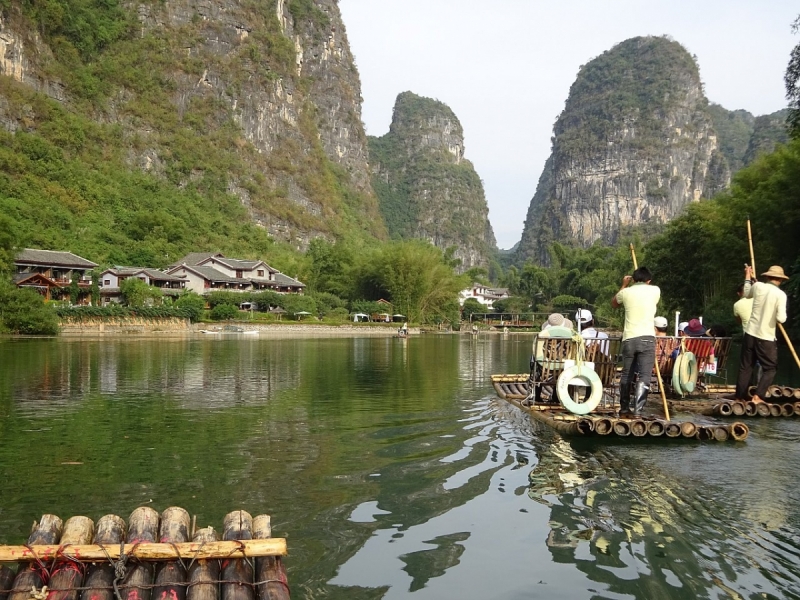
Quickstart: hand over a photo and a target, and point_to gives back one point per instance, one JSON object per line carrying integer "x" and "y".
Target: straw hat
{"x": 555, "y": 320}
{"x": 775, "y": 272}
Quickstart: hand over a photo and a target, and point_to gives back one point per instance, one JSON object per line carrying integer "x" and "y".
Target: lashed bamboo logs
{"x": 270, "y": 572}
{"x": 237, "y": 525}
{"x": 100, "y": 575}
{"x": 46, "y": 531}
{"x": 142, "y": 527}
{"x": 762, "y": 409}
{"x": 585, "y": 426}
{"x": 774, "y": 410}
{"x": 787, "y": 410}
{"x": 622, "y": 428}
{"x": 673, "y": 430}
{"x": 720, "y": 433}
{"x": 67, "y": 574}
{"x": 737, "y": 408}
{"x": 751, "y": 409}
{"x": 704, "y": 433}
{"x": 204, "y": 573}
{"x": 739, "y": 431}
{"x": 171, "y": 576}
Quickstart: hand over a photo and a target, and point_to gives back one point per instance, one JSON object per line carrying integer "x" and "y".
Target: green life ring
{"x": 688, "y": 372}
{"x": 676, "y": 380}
{"x": 590, "y": 378}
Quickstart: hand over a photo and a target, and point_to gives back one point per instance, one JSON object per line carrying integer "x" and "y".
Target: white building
{"x": 483, "y": 294}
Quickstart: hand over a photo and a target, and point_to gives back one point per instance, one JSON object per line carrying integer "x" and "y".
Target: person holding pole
{"x": 769, "y": 309}
{"x": 640, "y": 301}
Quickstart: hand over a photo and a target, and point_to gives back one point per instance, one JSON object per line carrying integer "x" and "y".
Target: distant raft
{"x": 735, "y": 408}
{"x": 604, "y": 422}
{"x": 152, "y": 557}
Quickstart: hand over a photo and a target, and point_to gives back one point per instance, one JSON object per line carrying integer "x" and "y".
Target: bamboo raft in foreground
{"x": 510, "y": 388}
{"x": 152, "y": 557}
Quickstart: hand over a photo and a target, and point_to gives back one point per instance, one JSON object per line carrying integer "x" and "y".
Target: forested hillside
{"x": 132, "y": 135}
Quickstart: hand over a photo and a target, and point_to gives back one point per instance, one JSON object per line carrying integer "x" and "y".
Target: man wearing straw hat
{"x": 769, "y": 309}
{"x": 638, "y": 338}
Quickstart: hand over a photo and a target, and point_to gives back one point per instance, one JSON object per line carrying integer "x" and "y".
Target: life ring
{"x": 590, "y": 378}
{"x": 676, "y": 380}
{"x": 688, "y": 372}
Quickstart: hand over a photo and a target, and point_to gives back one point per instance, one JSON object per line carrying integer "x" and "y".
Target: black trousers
{"x": 766, "y": 353}
{"x": 638, "y": 359}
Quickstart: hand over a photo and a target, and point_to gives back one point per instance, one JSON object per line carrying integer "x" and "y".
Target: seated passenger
{"x": 698, "y": 344}
{"x": 589, "y": 332}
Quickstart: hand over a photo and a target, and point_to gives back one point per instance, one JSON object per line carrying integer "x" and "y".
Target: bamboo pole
{"x": 142, "y": 528}
{"x": 110, "y": 529}
{"x": 46, "y": 531}
{"x": 147, "y": 551}
{"x": 204, "y": 573}
{"x": 7, "y": 575}
{"x": 658, "y": 369}
{"x": 66, "y": 575}
{"x": 237, "y": 525}
{"x": 780, "y": 325}
{"x": 171, "y": 575}
{"x": 270, "y": 572}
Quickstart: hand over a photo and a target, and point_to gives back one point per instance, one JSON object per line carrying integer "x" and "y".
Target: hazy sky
{"x": 505, "y": 68}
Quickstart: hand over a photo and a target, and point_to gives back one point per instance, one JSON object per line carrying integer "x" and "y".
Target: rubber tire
{"x": 688, "y": 372}
{"x": 590, "y": 377}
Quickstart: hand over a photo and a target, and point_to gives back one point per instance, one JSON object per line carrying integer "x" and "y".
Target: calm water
{"x": 392, "y": 469}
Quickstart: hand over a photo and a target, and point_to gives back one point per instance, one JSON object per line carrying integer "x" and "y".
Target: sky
{"x": 505, "y": 68}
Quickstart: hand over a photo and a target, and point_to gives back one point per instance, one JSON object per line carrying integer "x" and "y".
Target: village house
{"x": 111, "y": 280}
{"x": 205, "y": 272}
{"x": 50, "y": 272}
{"x": 483, "y": 294}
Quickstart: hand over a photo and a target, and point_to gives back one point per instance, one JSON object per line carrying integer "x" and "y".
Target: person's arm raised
{"x": 625, "y": 282}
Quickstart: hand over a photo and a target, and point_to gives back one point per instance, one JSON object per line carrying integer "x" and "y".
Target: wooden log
{"x": 171, "y": 576}
{"x": 796, "y": 393}
{"x": 737, "y": 408}
{"x": 720, "y": 433}
{"x": 204, "y": 572}
{"x": 603, "y": 426}
{"x": 46, "y": 531}
{"x": 621, "y": 427}
{"x": 7, "y": 575}
{"x": 149, "y": 551}
{"x": 272, "y": 583}
{"x": 750, "y": 409}
{"x": 67, "y": 575}
{"x": 672, "y": 429}
{"x": 787, "y": 392}
{"x": 100, "y": 575}
{"x": 142, "y": 527}
{"x": 237, "y": 525}
{"x": 787, "y": 409}
{"x": 704, "y": 433}
{"x": 655, "y": 428}
{"x": 775, "y": 410}
{"x": 638, "y": 428}
{"x": 688, "y": 429}
{"x": 739, "y": 431}
{"x": 763, "y": 410}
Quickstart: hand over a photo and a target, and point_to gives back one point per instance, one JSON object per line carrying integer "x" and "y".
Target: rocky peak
{"x": 633, "y": 145}
{"x": 425, "y": 186}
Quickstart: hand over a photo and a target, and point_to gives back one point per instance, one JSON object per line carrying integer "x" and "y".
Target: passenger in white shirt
{"x": 588, "y": 331}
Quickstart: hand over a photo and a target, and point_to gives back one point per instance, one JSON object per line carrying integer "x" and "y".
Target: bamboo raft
{"x": 603, "y": 422}
{"x": 730, "y": 408}
{"x": 152, "y": 557}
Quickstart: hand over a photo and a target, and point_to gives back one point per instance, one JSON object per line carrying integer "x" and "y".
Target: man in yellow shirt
{"x": 769, "y": 309}
{"x": 742, "y": 308}
{"x": 638, "y": 338}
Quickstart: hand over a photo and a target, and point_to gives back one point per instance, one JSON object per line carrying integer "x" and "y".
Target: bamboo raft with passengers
{"x": 163, "y": 557}
{"x": 573, "y": 387}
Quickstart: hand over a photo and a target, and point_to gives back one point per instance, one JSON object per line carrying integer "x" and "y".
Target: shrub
{"x": 224, "y": 312}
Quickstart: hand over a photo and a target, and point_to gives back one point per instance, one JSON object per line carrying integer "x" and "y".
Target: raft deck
{"x": 515, "y": 389}
{"x": 162, "y": 557}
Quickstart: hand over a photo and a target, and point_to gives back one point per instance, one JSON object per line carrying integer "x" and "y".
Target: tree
{"x": 512, "y": 304}
{"x": 472, "y": 307}
{"x": 95, "y": 288}
{"x": 74, "y": 288}
{"x": 192, "y": 305}
{"x": 416, "y": 278}
{"x": 224, "y": 312}
{"x": 136, "y": 293}
{"x": 24, "y": 311}
{"x": 792, "y": 81}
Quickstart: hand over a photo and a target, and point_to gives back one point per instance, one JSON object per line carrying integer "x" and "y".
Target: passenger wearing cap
{"x": 769, "y": 309}
{"x": 589, "y": 332}
{"x": 640, "y": 301}
{"x": 660, "y": 324}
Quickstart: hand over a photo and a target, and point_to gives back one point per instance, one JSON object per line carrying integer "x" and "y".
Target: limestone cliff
{"x": 261, "y": 99}
{"x": 634, "y": 145}
{"x": 425, "y": 186}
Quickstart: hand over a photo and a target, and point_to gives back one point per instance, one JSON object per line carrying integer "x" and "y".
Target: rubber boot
{"x": 624, "y": 400}
{"x": 640, "y": 397}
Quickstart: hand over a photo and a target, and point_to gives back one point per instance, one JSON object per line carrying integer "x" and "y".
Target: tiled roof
{"x": 151, "y": 273}
{"x": 282, "y": 279}
{"x": 53, "y": 258}
{"x": 195, "y": 258}
{"x": 211, "y": 274}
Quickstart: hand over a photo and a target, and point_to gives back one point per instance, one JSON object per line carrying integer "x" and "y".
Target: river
{"x": 392, "y": 468}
